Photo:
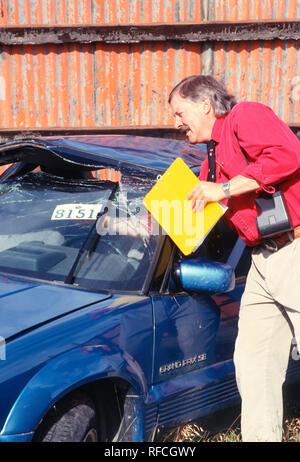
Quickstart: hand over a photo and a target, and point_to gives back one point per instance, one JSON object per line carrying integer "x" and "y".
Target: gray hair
{"x": 197, "y": 87}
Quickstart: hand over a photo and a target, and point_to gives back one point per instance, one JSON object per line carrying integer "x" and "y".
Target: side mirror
{"x": 201, "y": 274}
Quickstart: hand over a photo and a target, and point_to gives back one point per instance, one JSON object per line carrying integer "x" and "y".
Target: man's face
{"x": 191, "y": 117}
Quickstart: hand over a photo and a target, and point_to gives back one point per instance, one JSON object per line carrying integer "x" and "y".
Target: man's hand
{"x": 204, "y": 192}
{"x": 207, "y": 191}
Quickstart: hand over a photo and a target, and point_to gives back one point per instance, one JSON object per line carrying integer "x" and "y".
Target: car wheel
{"x": 74, "y": 419}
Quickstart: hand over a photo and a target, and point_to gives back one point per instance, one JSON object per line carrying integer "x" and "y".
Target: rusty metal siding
{"x": 91, "y": 82}
{"x": 86, "y": 85}
{"x": 239, "y": 10}
{"x": 263, "y": 71}
{"x": 98, "y": 11}
{"x": 143, "y": 11}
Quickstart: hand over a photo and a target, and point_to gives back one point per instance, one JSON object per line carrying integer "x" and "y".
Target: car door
{"x": 194, "y": 330}
{"x": 185, "y": 334}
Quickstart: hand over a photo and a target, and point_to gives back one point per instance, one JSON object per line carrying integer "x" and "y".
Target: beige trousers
{"x": 269, "y": 326}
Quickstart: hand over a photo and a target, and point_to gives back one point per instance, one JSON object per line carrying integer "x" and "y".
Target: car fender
{"x": 64, "y": 374}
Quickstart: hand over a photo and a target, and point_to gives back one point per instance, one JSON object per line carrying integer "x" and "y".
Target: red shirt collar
{"x": 217, "y": 128}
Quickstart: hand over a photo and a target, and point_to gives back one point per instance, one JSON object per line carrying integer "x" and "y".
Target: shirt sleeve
{"x": 271, "y": 148}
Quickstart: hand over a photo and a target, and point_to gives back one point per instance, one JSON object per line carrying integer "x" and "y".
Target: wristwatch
{"x": 226, "y": 189}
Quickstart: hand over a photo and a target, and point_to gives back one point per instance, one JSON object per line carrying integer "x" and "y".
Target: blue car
{"x": 108, "y": 333}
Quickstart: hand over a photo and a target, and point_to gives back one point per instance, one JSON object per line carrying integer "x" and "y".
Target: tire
{"x": 74, "y": 419}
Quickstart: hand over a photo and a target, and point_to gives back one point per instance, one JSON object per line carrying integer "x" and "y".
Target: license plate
{"x": 76, "y": 211}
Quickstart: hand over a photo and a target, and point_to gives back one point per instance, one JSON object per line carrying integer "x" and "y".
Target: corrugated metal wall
{"x": 99, "y": 11}
{"x": 142, "y": 11}
{"x": 55, "y": 81}
{"x": 83, "y": 85}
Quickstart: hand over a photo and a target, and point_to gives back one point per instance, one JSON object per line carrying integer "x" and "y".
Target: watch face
{"x": 225, "y": 187}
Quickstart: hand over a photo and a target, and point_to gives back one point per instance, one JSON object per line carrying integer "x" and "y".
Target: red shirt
{"x": 273, "y": 159}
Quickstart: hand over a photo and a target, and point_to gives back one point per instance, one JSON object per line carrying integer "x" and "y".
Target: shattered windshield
{"x": 47, "y": 220}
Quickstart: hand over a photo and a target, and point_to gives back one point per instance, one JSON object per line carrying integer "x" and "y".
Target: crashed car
{"x": 108, "y": 334}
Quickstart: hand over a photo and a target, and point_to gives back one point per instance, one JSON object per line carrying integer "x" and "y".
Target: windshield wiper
{"x": 100, "y": 217}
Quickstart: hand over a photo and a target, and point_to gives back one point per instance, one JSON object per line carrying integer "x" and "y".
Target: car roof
{"x": 94, "y": 151}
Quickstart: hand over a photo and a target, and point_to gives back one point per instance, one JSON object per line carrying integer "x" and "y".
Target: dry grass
{"x": 224, "y": 427}
{"x": 292, "y": 430}
{"x": 230, "y": 424}
{"x": 195, "y": 433}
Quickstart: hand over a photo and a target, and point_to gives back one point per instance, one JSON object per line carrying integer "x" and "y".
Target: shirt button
{"x": 245, "y": 228}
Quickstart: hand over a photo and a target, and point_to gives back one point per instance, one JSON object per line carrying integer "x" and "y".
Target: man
{"x": 255, "y": 152}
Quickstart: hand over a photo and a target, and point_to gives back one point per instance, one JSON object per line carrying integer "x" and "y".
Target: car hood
{"x": 26, "y": 304}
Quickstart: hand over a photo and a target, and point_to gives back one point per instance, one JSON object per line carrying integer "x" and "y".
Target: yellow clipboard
{"x": 167, "y": 202}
